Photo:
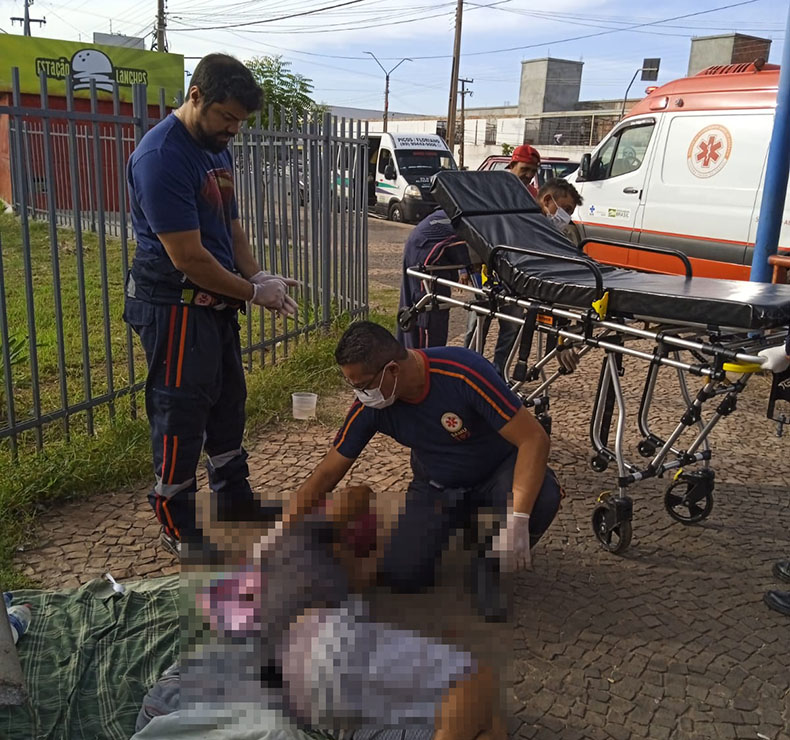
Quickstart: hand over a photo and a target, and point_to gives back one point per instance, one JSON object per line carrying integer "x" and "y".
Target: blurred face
{"x": 216, "y": 124}
{"x": 525, "y": 171}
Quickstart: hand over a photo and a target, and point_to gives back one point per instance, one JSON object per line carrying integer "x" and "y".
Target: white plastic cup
{"x": 304, "y": 404}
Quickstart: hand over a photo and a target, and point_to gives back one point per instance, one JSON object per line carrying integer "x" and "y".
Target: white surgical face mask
{"x": 560, "y": 218}
{"x": 374, "y": 398}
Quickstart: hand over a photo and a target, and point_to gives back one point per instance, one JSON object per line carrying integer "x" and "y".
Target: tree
{"x": 283, "y": 88}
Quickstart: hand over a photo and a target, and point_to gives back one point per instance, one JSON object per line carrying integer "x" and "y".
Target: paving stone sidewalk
{"x": 669, "y": 640}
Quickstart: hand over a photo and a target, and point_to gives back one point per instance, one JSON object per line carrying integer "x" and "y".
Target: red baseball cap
{"x": 525, "y": 153}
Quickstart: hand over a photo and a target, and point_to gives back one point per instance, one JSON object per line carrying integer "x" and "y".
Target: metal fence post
{"x": 287, "y": 195}
{"x": 325, "y": 204}
{"x": 28, "y": 265}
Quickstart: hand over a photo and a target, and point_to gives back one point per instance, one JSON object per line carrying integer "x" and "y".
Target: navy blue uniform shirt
{"x": 176, "y": 185}
{"x": 454, "y": 429}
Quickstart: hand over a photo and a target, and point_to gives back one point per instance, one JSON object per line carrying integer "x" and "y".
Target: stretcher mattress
{"x": 490, "y": 209}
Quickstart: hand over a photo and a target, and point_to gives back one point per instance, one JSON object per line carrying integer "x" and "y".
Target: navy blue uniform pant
{"x": 430, "y": 328}
{"x": 432, "y": 513}
{"x": 194, "y": 397}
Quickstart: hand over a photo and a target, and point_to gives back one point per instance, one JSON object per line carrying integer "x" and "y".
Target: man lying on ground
{"x": 338, "y": 668}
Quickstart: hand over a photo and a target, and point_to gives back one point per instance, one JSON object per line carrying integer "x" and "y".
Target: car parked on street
{"x": 550, "y": 167}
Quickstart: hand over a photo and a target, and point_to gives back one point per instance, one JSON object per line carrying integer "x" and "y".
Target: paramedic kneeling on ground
{"x": 473, "y": 446}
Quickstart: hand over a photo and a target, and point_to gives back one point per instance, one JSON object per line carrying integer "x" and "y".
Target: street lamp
{"x": 387, "y": 83}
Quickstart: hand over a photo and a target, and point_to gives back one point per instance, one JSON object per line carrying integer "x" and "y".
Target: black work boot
{"x": 490, "y": 598}
{"x": 781, "y": 570}
{"x": 779, "y": 601}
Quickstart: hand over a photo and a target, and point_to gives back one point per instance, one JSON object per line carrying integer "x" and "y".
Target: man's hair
{"x": 368, "y": 344}
{"x": 221, "y": 76}
{"x": 557, "y": 186}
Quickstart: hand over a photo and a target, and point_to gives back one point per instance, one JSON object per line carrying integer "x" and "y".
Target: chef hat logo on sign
{"x": 92, "y": 64}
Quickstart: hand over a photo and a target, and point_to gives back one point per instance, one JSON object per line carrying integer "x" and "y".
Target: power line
{"x": 339, "y": 27}
{"x": 593, "y": 35}
{"x": 272, "y": 20}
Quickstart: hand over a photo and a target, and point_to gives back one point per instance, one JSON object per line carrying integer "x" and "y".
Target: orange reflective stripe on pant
{"x": 184, "y": 317}
{"x": 170, "y": 336}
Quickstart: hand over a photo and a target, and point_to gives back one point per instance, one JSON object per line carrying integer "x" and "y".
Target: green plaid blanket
{"x": 89, "y": 659}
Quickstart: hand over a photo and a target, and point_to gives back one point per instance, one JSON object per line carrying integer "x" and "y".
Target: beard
{"x": 215, "y": 143}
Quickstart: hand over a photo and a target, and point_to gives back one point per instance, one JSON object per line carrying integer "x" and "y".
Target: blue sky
{"x": 329, "y": 46}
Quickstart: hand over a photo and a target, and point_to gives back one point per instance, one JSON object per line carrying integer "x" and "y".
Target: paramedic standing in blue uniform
{"x": 473, "y": 444}
{"x": 432, "y": 243}
{"x": 192, "y": 270}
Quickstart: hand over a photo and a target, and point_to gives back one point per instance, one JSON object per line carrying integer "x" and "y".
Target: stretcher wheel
{"x": 615, "y": 538}
{"x": 599, "y": 463}
{"x": 690, "y": 498}
{"x": 646, "y": 449}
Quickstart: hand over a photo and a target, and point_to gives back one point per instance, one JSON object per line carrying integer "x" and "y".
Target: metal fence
{"x": 576, "y": 129}
{"x": 68, "y": 360}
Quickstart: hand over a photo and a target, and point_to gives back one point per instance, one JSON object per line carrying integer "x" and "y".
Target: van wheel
{"x": 572, "y": 232}
{"x": 396, "y": 213}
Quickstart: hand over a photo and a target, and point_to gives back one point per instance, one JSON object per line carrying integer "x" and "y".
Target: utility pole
{"x": 27, "y": 20}
{"x": 463, "y": 93}
{"x": 160, "y": 26}
{"x": 459, "y": 12}
{"x": 387, "y": 84}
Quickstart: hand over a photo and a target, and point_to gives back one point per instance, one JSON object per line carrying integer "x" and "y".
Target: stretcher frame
{"x": 726, "y": 358}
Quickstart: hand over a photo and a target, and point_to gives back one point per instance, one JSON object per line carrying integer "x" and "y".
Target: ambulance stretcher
{"x": 697, "y": 327}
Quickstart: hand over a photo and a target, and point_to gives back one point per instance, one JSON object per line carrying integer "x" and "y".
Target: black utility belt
{"x": 197, "y": 297}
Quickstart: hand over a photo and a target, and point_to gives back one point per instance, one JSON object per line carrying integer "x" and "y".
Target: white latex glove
{"x": 289, "y": 307}
{"x": 567, "y": 358}
{"x": 512, "y": 543}
{"x": 270, "y": 294}
{"x": 261, "y": 277}
{"x": 776, "y": 359}
{"x": 268, "y": 542}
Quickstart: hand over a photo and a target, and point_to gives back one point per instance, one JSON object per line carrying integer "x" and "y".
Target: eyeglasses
{"x": 369, "y": 383}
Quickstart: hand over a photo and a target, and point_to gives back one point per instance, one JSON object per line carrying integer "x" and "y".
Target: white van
{"x": 685, "y": 170}
{"x": 400, "y": 170}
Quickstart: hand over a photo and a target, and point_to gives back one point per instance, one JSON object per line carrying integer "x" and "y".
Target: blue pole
{"x": 776, "y": 175}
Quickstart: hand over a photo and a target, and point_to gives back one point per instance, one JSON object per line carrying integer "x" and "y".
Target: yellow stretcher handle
{"x": 741, "y": 367}
{"x": 601, "y": 306}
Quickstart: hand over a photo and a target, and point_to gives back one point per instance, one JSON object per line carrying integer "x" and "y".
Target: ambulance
{"x": 685, "y": 170}
{"x": 400, "y": 171}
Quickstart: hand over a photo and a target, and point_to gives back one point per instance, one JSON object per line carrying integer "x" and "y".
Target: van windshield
{"x": 423, "y": 161}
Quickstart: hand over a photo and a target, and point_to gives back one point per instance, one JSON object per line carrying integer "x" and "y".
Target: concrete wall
{"x": 503, "y": 111}
{"x": 731, "y": 48}
{"x": 549, "y": 85}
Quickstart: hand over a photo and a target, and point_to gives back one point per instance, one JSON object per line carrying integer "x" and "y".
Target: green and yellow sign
{"x": 110, "y": 67}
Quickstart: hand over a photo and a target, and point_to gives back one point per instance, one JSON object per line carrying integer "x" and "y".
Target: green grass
{"x": 100, "y": 365}
{"x": 118, "y": 454}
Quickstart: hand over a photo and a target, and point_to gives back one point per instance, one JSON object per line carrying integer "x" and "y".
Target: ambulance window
{"x": 385, "y": 158}
{"x": 599, "y": 169}
{"x": 622, "y": 153}
{"x": 631, "y": 149}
